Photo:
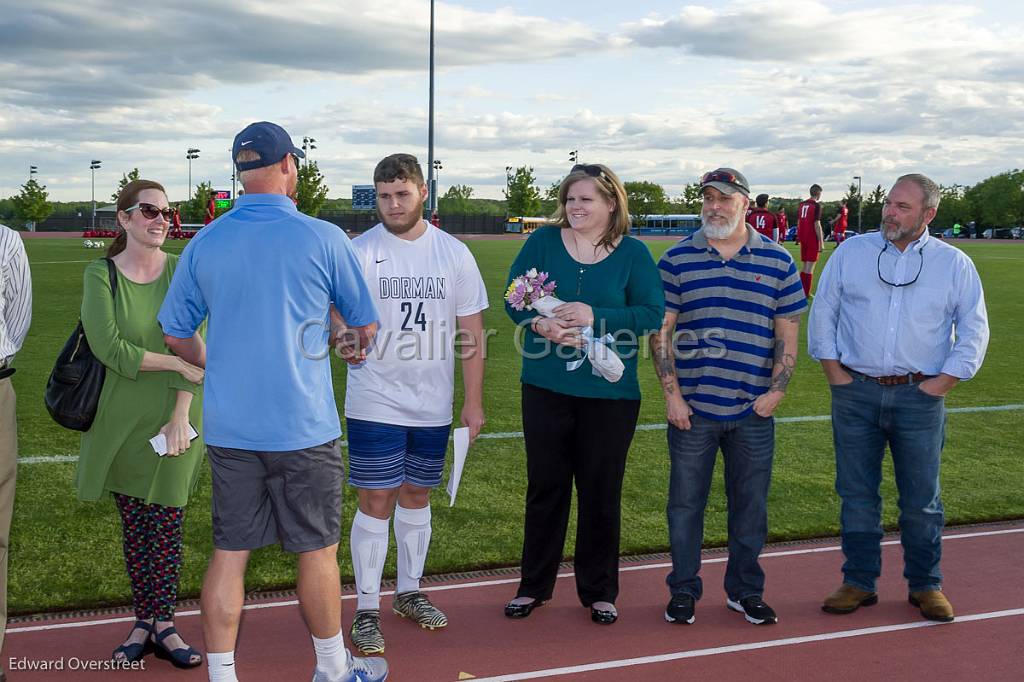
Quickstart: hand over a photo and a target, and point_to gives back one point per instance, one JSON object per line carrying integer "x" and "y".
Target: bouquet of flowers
{"x": 534, "y": 291}
{"x": 526, "y": 290}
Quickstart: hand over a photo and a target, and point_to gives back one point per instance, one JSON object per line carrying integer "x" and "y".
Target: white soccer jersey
{"x": 419, "y": 288}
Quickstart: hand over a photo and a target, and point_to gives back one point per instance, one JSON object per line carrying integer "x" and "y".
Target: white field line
{"x": 515, "y": 435}
{"x": 736, "y": 648}
{"x": 497, "y": 581}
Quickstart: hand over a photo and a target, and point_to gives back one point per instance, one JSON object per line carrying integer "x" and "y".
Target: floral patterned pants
{"x": 152, "y": 539}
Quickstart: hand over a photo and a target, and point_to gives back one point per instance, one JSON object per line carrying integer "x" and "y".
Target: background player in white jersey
{"x": 398, "y": 403}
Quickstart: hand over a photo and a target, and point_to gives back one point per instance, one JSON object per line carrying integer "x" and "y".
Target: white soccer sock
{"x": 369, "y": 544}
{"x": 221, "y": 667}
{"x": 332, "y": 658}
{"x": 412, "y": 533}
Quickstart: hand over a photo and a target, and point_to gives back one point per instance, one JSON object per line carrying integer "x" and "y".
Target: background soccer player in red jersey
{"x": 808, "y": 232}
{"x": 840, "y": 222}
{"x": 763, "y": 220}
{"x": 782, "y": 222}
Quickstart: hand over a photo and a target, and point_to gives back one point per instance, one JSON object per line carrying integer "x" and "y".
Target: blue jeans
{"x": 748, "y": 447}
{"x": 865, "y": 417}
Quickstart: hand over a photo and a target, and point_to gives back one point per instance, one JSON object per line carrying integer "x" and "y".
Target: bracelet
{"x": 533, "y": 325}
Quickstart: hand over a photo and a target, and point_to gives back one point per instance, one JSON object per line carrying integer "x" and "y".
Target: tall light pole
{"x": 32, "y": 170}
{"x": 508, "y": 184}
{"x": 308, "y": 146}
{"x": 574, "y": 156}
{"x": 860, "y": 204}
{"x": 93, "y": 165}
{"x": 191, "y": 153}
{"x": 431, "y": 186}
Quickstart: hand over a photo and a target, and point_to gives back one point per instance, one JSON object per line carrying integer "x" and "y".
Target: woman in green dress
{"x": 147, "y": 391}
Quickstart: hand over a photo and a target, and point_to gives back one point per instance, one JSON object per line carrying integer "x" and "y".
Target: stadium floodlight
{"x": 32, "y": 170}
{"x": 308, "y": 145}
{"x": 191, "y": 153}
{"x": 574, "y": 156}
{"x": 93, "y": 165}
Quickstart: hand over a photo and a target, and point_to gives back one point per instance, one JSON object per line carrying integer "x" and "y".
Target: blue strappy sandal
{"x": 135, "y": 652}
{"x": 179, "y": 658}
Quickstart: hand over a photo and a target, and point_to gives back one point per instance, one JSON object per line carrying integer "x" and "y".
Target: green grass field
{"x": 67, "y": 554}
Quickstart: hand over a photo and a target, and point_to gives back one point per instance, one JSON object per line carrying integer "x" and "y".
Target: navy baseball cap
{"x": 269, "y": 140}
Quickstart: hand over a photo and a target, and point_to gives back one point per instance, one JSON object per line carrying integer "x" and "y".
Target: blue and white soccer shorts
{"x": 386, "y": 455}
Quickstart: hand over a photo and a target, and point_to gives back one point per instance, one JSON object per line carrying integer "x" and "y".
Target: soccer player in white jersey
{"x": 398, "y": 403}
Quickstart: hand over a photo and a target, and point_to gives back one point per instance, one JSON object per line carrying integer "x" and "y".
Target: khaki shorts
{"x": 264, "y": 498}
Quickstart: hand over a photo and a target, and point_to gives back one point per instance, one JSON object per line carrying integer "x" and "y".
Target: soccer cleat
{"x": 754, "y": 610}
{"x": 680, "y": 609}
{"x": 365, "y": 632}
{"x": 416, "y": 607}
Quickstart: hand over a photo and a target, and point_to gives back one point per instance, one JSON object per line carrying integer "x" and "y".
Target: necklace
{"x": 579, "y": 261}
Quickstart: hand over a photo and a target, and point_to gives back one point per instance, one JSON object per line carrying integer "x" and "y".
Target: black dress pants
{"x": 583, "y": 440}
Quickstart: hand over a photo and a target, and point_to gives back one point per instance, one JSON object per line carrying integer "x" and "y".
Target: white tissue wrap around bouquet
{"x": 606, "y": 363}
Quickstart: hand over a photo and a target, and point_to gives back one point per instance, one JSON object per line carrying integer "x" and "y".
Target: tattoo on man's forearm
{"x": 785, "y": 363}
{"x": 664, "y": 365}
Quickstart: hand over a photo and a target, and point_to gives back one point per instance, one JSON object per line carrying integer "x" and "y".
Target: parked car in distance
{"x": 999, "y": 233}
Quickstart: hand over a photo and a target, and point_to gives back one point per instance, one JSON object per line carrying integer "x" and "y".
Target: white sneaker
{"x": 369, "y": 669}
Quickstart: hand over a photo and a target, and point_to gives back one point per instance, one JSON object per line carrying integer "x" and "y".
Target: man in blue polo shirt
{"x": 264, "y": 276}
{"x": 725, "y": 354}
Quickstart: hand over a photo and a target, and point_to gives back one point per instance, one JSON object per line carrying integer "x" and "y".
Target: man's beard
{"x": 718, "y": 231}
{"x": 403, "y": 227}
{"x": 897, "y": 233}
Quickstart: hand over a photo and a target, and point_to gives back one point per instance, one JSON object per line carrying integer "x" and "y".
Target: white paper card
{"x": 159, "y": 441}
{"x": 461, "y": 437}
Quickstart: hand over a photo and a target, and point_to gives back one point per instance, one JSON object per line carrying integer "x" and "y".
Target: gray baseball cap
{"x": 726, "y": 181}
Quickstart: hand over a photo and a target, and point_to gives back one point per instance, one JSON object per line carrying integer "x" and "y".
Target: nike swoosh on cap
{"x": 245, "y": 143}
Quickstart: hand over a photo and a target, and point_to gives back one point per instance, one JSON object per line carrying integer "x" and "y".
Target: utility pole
{"x": 93, "y": 165}
{"x": 860, "y": 205}
{"x": 431, "y": 186}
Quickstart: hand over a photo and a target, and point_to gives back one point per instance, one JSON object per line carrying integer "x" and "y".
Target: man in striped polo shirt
{"x": 725, "y": 353}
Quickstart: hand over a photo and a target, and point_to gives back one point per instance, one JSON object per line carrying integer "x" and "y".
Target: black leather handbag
{"x": 73, "y": 390}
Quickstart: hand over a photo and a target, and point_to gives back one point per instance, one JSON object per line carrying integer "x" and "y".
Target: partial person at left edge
{"x": 15, "y": 318}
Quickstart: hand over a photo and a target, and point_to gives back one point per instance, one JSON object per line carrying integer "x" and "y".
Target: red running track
{"x": 890, "y": 641}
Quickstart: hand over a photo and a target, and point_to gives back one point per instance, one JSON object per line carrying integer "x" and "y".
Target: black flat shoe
{"x": 522, "y": 610}
{"x": 603, "y": 617}
{"x": 134, "y": 652}
{"x": 186, "y": 657}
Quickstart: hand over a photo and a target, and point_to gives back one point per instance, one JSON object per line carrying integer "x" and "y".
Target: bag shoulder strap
{"x": 112, "y": 275}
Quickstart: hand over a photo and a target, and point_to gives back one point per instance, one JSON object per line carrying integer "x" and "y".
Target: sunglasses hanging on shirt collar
{"x": 920, "y": 266}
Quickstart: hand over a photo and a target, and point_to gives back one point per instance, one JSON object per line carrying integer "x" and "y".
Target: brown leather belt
{"x": 893, "y": 380}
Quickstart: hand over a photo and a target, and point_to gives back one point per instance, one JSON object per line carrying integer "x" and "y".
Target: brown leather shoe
{"x": 848, "y": 599}
{"x": 933, "y": 605}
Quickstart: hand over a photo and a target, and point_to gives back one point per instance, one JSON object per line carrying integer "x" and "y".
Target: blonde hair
{"x": 610, "y": 187}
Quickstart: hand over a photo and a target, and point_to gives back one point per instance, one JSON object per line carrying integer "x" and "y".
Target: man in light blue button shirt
{"x": 899, "y": 319}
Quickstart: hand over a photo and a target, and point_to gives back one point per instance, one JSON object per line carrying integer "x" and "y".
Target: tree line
{"x": 997, "y": 201}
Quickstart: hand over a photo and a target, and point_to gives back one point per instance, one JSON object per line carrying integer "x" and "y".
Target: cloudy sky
{"x": 789, "y": 91}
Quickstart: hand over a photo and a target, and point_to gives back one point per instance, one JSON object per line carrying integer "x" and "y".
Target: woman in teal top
{"x": 146, "y": 391}
{"x": 578, "y": 425}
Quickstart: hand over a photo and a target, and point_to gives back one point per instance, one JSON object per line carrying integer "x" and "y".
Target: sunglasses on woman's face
{"x": 149, "y": 211}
